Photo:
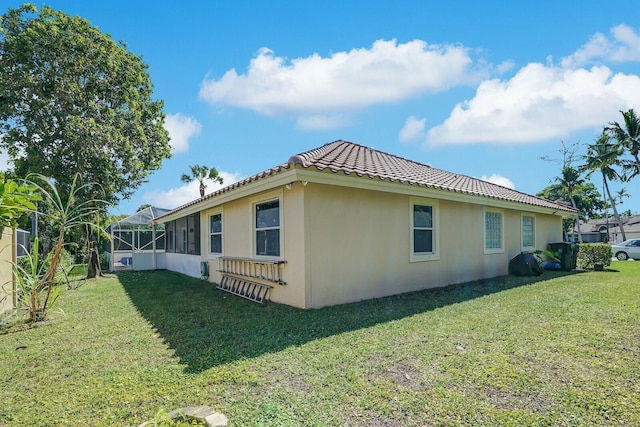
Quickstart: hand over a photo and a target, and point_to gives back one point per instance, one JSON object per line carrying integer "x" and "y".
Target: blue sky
{"x": 478, "y": 88}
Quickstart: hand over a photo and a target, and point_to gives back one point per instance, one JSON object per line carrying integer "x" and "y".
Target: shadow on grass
{"x": 207, "y": 327}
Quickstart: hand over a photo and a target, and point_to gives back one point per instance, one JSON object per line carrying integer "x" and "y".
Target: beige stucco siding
{"x": 238, "y": 238}
{"x": 7, "y": 255}
{"x": 344, "y": 244}
{"x": 359, "y": 244}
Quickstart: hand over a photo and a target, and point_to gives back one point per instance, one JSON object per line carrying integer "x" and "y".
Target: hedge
{"x": 594, "y": 253}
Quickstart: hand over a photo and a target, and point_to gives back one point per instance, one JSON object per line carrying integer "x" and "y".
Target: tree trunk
{"x": 202, "y": 188}
{"x": 615, "y": 211}
{"x": 93, "y": 264}
{"x": 49, "y": 277}
{"x": 573, "y": 203}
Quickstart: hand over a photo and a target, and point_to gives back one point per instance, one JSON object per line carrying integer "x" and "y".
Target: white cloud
{"x": 181, "y": 129}
{"x": 174, "y": 197}
{"x": 343, "y": 82}
{"x": 413, "y": 129}
{"x": 539, "y": 103}
{"x": 622, "y": 46}
{"x": 322, "y": 122}
{"x": 504, "y": 67}
{"x": 499, "y": 180}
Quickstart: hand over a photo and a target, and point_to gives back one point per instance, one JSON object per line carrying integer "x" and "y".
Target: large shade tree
{"x": 586, "y": 196}
{"x": 75, "y": 102}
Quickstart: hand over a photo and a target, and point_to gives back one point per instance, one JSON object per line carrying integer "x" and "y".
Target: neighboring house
{"x": 8, "y": 255}
{"x": 608, "y": 229}
{"x": 345, "y": 222}
{"x": 631, "y": 226}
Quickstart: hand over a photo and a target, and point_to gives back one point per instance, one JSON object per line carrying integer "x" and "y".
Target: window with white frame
{"x": 215, "y": 233}
{"x": 528, "y": 231}
{"x": 267, "y": 228}
{"x": 493, "y": 231}
{"x": 424, "y": 229}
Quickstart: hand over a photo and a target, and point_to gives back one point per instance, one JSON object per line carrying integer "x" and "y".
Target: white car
{"x": 627, "y": 249}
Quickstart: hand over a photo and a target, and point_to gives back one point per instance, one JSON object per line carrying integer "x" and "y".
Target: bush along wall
{"x": 592, "y": 254}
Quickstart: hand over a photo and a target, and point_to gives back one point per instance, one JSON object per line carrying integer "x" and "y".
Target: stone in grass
{"x": 207, "y": 413}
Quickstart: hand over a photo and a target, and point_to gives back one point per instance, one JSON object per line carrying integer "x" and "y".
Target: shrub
{"x": 594, "y": 253}
{"x": 32, "y": 292}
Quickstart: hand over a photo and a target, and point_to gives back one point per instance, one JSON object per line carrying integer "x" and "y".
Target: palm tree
{"x": 569, "y": 180}
{"x": 200, "y": 173}
{"x": 603, "y": 156}
{"x": 628, "y": 136}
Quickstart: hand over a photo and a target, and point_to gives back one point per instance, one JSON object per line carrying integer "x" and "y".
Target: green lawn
{"x": 563, "y": 350}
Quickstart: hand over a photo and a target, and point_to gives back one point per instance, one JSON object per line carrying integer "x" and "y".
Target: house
{"x": 608, "y": 230}
{"x": 344, "y": 222}
{"x": 631, "y": 225}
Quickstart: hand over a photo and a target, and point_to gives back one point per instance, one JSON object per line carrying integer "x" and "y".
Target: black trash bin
{"x": 567, "y": 254}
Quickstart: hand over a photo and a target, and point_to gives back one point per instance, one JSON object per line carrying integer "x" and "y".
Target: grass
{"x": 562, "y": 349}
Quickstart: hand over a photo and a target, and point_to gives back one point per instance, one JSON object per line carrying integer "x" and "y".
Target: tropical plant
{"x": 201, "y": 173}
{"x": 628, "y": 136}
{"x": 603, "y": 156}
{"x": 15, "y": 200}
{"x": 66, "y": 211}
{"x": 31, "y": 292}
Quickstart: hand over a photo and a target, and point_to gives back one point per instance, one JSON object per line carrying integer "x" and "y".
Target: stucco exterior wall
{"x": 344, "y": 244}
{"x": 7, "y": 255}
{"x": 182, "y": 263}
{"x": 358, "y": 245}
{"x": 238, "y": 239}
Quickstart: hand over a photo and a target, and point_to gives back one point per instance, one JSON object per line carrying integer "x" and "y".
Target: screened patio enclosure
{"x": 135, "y": 243}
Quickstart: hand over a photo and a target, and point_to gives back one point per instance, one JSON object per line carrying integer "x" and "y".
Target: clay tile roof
{"x": 350, "y": 158}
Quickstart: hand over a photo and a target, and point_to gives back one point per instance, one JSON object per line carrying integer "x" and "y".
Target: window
{"x": 267, "y": 228}
{"x": 528, "y": 231}
{"x": 215, "y": 233}
{"x": 424, "y": 220}
{"x": 493, "y": 231}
